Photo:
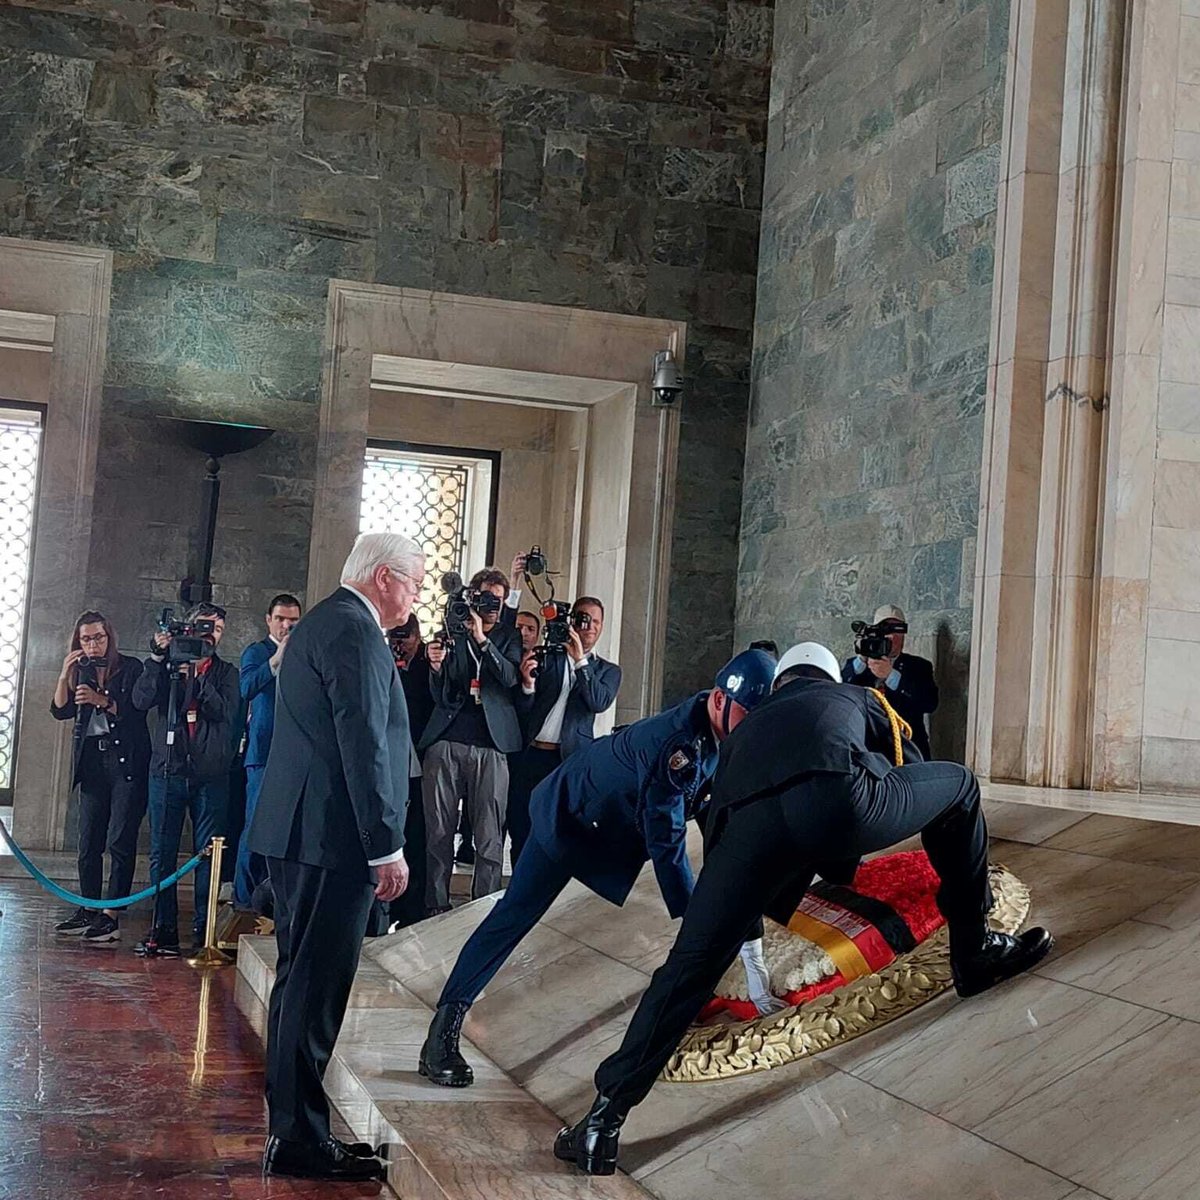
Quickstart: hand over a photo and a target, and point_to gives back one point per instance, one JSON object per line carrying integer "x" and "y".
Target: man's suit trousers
{"x": 782, "y": 838}
{"x": 320, "y": 919}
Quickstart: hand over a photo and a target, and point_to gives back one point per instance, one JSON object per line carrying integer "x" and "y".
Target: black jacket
{"x": 808, "y": 727}
{"x": 335, "y": 791}
{"x": 208, "y": 753}
{"x": 594, "y": 686}
{"x": 915, "y": 695}
{"x": 415, "y": 681}
{"x": 500, "y": 656}
{"x": 127, "y": 724}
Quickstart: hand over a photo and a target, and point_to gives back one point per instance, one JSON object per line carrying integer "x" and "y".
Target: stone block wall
{"x": 871, "y": 330}
{"x": 235, "y": 157}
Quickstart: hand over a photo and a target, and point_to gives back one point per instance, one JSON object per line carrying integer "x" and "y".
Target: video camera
{"x": 461, "y": 602}
{"x": 872, "y": 641}
{"x": 189, "y": 639}
{"x": 87, "y": 673}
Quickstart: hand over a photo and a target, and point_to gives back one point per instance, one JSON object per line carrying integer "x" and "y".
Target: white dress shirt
{"x": 551, "y": 731}
{"x": 399, "y": 855}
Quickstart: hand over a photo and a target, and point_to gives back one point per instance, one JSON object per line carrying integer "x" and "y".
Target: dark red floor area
{"x": 122, "y": 1077}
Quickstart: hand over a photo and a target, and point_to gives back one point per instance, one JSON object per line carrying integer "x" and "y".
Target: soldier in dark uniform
{"x": 598, "y": 818}
{"x": 810, "y": 777}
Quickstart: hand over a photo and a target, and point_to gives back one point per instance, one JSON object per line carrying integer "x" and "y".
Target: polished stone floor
{"x": 122, "y": 1078}
{"x": 1073, "y": 1083}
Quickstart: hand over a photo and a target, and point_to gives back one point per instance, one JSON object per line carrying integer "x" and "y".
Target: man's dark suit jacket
{"x": 810, "y": 731}
{"x": 594, "y": 687}
{"x": 335, "y": 790}
{"x": 500, "y": 656}
{"x": 914, "y": 696}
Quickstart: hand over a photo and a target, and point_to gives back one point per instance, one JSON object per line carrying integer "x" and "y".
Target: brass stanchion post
{"x": 210, "y": 956}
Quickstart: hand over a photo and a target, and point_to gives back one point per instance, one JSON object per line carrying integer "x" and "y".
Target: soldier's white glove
{"x": 758, "y": 981}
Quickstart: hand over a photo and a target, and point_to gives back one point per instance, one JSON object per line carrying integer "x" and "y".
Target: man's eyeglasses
{"x": 413, "y": 585}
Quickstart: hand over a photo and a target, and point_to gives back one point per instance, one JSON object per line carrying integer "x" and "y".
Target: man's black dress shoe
{"x": 324, "y": 1160}
{"x": 591, "y": 1144}
{"x": 441, "y": 1061}
{"x": 999, "y": 958}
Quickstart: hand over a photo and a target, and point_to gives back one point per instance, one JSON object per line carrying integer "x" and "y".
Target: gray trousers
{"x": 452, "y": 772}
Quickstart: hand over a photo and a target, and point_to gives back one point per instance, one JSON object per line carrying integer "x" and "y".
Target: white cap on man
{"x": 889, "y": 612}
{"x": 809, "y": 654}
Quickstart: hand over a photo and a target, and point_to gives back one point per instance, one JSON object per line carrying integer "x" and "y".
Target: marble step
{"x": 490, "y": 1140}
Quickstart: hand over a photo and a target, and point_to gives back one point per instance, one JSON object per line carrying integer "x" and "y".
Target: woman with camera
{"x": 110, "y": 754}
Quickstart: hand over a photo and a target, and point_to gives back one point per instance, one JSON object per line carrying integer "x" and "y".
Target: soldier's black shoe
{"x": 591, "y": 1143}
{"x": 328, "y": 1160}
{"x": 999, "y": 958}
{"x": 441, "y": 1062}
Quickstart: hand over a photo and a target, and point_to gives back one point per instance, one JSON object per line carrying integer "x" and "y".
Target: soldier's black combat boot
{"x": 441, "y": 1061}
{"x": 1000, "y": 957}
{"x": 591, "y": 1143}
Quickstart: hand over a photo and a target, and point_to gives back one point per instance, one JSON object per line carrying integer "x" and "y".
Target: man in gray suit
{"x": 330, "y": 823}
{"x": 473, "y": 727}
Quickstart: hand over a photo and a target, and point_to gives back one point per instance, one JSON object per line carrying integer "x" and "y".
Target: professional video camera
{"x": 189, "y": 639}
{"x": 461, "y": 602}
{"x": 871, "y": 641}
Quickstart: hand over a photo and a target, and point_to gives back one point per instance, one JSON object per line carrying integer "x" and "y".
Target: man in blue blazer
{"x": 557, "y": 705}
{"x": 260, "y": 664}
{"x": 598, "y": 818}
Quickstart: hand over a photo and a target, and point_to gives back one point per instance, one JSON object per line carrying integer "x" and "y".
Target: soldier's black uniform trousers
{"x": 764, "y": 861}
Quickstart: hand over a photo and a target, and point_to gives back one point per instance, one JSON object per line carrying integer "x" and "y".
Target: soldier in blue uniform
{"x": 598, "y": 818}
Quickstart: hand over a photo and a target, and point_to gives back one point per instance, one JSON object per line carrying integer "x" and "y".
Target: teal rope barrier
{"x": 82, "y": 901}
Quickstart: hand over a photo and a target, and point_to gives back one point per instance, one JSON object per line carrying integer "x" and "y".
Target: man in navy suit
{"x": 330, "y": 823}
{"x": 260, "y": 664}
{"x": 598, "y": 818}
{"x": 558, "y": 704}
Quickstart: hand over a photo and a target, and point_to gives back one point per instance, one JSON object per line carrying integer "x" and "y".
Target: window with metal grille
{"x": 20, "y": 452}
{"x": 444, "y": 499}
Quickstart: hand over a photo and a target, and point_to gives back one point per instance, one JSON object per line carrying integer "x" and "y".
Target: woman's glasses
{"x": 95, "y": 639}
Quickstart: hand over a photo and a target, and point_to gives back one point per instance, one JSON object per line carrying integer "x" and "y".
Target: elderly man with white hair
{"x": 330, "y": 823}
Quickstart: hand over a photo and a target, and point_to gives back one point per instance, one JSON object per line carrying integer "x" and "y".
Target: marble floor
{"x": 132, "y": 1079}
{"x": 123, "y": 1079}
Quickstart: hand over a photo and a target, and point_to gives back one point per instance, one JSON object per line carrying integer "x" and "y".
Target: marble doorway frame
{"x": 368, "y": 320}
{"x": 71, "y": 285}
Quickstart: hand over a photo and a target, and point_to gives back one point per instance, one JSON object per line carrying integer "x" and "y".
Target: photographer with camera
{"x": 906, "y": 680}
{"x": 195, "y": 695}
{"x": 564, "y": 685}
{"x": 110, "y": 750}
{"x": 472, "y": 674}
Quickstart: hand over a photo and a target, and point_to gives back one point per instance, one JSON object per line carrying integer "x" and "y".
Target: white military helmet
{"x": 811, "y": 654}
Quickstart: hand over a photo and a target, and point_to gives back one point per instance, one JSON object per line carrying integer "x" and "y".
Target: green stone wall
{"x": 871, "y": 336}
{"x": 605, "y": 154}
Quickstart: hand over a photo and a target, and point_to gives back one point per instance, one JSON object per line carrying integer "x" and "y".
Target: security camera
{"x": 667, "y": 383}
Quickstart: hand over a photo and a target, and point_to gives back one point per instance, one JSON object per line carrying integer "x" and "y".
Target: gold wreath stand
{"x": 725, "y": 1051}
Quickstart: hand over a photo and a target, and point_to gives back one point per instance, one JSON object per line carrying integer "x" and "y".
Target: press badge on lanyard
{"x": 476, "y": 691}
